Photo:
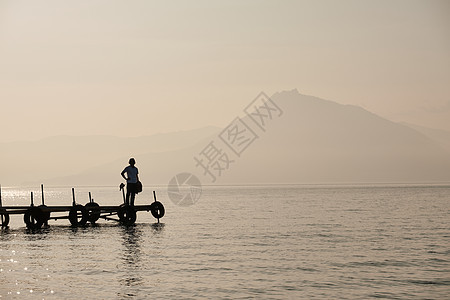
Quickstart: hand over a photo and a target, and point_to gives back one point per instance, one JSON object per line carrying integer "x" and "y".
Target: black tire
{"x": 4, "y": 219}
{"x": 34, "y": 217}
{"x": 127, "y": 214}
{"x": 78, "y": 215}
{"x": 93, "y": 210}
{"x": 157, "y": 209}
{"x": 45, "y": 214}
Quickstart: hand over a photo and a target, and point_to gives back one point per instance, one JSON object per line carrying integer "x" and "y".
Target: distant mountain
{"x": 54, "y": 157}
{"x": 321, "y": 141}
{"x": 441, "y": 137}
{"x": 313, "y": 141}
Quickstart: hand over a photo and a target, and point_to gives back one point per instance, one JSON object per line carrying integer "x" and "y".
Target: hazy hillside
{"x": 441, "y": 137}
{"x": 313, "y": 141}
{"x": 322, "y": 141}
{"x": 64, "y": 155}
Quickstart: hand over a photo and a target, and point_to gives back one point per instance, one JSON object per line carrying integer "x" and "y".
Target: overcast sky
{"x": 133, "y": 68}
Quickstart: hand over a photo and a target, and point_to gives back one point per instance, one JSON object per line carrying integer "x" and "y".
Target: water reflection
{"x": 137, "y": 264}
{"x": 4, "y": 231}
{"x": 157, "y": 227}
{"x": 131, "y": 236}
{"x": 131, "y": 258}
{"x": 36, "y": 234}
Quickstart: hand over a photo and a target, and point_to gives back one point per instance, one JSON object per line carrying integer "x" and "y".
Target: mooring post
{"x": 73, "y": 196}
{"x": 0, "y": 195}
{"x": 42, "y": 192}
{"x": 154, "y": 197}
{"x": 32, "y": 203}
{"x": 90, "y": 198}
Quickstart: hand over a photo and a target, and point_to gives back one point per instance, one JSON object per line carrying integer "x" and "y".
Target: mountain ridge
{"x": 313, "y": 141}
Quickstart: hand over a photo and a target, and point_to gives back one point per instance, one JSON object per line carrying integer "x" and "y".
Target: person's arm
{"x": 123, "y": 174}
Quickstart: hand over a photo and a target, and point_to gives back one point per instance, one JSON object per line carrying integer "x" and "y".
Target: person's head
{"x": 132, "y": 161}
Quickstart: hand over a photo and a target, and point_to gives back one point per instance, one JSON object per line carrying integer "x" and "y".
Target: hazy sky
{"x": 142, "y": 67}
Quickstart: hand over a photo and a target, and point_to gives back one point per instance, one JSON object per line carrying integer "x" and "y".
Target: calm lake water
{"x": 254, "y": 242}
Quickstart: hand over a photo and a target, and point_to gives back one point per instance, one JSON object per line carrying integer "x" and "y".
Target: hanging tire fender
{"x": 45, "y": 214}
{"x": 126, "y": 214}
{"x": 157, "y": 209}
{"x": 77, "y": 211}
{"x": 4, "y": 219}
{"x": 93, "y": 210}
{"x": 34, "y": 217}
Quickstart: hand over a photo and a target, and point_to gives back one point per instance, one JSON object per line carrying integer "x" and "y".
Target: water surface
{"x": 239, "y": 242}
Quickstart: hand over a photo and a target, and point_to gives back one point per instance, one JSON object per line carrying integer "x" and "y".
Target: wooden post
{"x": 32, "y": 204}
{"x": 73, "y": 196}
{"x": 0, "y": 195}
{"x": 42, "y": 191}
{"x": 154, "y": 197}
{"x": 90, "y": 198}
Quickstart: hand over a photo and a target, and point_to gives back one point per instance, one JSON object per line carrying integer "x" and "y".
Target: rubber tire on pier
{"x": 75, "y": 212}
{"x": 157, "y": 209}
{"x": 4, "y": 219}
{"x": 127, "y": 214}
{"x": 93, "y": 210}
{"x": 34, "y": 217}
{"x": 45, "y": 214}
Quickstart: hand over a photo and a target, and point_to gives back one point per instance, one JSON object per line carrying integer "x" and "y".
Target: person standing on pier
{"x": 132, "y": 179}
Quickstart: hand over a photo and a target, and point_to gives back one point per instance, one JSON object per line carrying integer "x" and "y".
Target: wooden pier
{"x": 78, "y": 215}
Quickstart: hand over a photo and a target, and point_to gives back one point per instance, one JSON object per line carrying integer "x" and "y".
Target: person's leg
{"x": 133, "y": 195}
{"x": 127, "y": 198}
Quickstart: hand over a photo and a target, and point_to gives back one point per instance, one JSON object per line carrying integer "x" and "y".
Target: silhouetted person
{"x": 132, "y": 179}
